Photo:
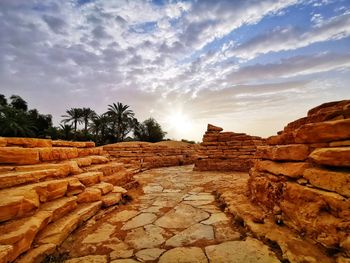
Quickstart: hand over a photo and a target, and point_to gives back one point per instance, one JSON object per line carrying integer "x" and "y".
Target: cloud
{"x": 291, "y": 67}
{"x": 155, "y": 57}
{"x": 289, "y": 38}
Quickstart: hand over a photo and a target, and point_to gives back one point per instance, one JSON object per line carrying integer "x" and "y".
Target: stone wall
{"x": 48, "y": 188}
{"x": 226, "y": 151}
{"x": 303, "y": 177}
{"x": 152, "y": 155}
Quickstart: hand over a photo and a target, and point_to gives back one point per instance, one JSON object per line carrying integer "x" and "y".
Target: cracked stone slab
{"x": 210, "y": 208}
{"x": 89, "y": 259}
{"x": 171, "y": 190}
{"x": 149, "y": 236}
{"x": 224, "y": 232}
{"x": 182, "y": 216}
{"x": 124, "y": 216}
{"x": 198, "y": 203}
{"x": 248, "y": 251}
{"x": 149, "y": 254}
{"x": 129, "y": 260}
{"x": 120, "y": 250}
{"x": 140, "y": 220}
{"x": 184, "y": 255}
{"x": 215, "y": 218}
{"x": 200, "y": 197}
{"x": 101, "y": 234}
{"x": 152, "y": 209}
{"x": 152, "y": 189}
{"x": 190, "y": 235}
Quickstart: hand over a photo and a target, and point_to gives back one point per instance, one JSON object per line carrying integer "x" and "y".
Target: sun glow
{"x": 179, "y": 122}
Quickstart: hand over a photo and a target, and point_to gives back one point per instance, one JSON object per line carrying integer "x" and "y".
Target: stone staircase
{"x": 48, "y": 188}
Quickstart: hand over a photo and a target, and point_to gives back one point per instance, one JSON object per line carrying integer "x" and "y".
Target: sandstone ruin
{"x": 64, "y": 200}
{"x": 227, "y": 151}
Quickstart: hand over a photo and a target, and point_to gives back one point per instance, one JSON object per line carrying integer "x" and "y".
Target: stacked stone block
{"x": 226, "y": 151}
{"x": 303, "y": 177}
{"x": 152, "y": 155}
{"x": 47, "y": 189}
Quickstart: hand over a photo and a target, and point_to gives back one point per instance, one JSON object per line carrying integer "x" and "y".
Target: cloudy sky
{"x": 246, "y": 65}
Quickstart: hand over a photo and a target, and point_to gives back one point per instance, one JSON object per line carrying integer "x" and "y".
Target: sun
{"x": 180, "y": 122}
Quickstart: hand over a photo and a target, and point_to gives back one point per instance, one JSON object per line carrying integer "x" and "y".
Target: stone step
{"x": 21, "y": 233}
{"x": 89, "y": 178}
{"x": 37, "y": 254}
{"x": 23, "y": 201}
{"x": 104, "y": 187}
{"x": 118, "y": 178}
{"x": 107, "y": 168}
{"x": 294, "y": 248}
{"x": 60, "y": 207}
{"x": 89, "y": 195}
{"x": 89, "y": 160}
{"x": 58, "y": 231}
{"x": 111, "y": 199}
{"x": 20, "y": 178}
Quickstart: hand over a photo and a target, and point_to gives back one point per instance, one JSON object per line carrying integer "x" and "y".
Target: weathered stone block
{"x": 89, "y": 178}
{"x": 321, "y": 215}
{"x": 290, "y": 169}
{"x": 111, "y": 199}
{"x": 18, "y": 155}
{"x": 323, "y": 132}
{"x": 20, "y": 233}
{"x": 329, "y": 180}
{"x": 89, "y": 195}
{"x": 337, "y": 156}
{"x": 294, "y": 152}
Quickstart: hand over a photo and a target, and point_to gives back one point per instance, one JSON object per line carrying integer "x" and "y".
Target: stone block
{"x": 18, "y": 155}
{"x": 337, "y": 156}
{"x": 20, "y": 233}
{"x": 293, "y": 152}
{"x": 323, "y": 132}
{"x": 111, "y": 199}
{"x": 89, "y": 195}
{"x": 336, "y": 181}
{"x": 290, "y": 169}
{"x": 89, "y": 178}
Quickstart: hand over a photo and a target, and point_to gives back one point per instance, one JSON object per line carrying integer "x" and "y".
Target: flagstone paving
{"x": 174, "y": 219}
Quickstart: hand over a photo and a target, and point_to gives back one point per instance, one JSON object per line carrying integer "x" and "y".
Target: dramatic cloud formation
{"x": 250, "y": 66}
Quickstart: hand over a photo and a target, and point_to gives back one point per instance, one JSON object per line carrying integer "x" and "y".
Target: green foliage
{"x": 115, "y": 125}
{"x": 149, "y": 131}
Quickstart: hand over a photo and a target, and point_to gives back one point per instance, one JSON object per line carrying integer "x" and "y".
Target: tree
{"x": 99, "y": 126}
{"x": 42, "y": 122}
{"x": 122, "y": 120}
{"x": 15, "y": 123}
{"x": 149, "y": 131}
{"x": 87, "y": 115}
{"x": 18, "y": 103}
{"x": 74, "y": 115}
{"x": 3, "y": 100}
{"x": 66, "y": 131}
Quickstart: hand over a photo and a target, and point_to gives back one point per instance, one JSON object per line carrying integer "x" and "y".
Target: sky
{"x": 246, "y": 65}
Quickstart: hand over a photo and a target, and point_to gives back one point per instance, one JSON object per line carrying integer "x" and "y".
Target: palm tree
{"x": 18, "y": 103}
{"x": 66, "y": 130}
{"x": 87, "y": 114}
{"x": 74, "y": 115}
{"x": 15, "y": 122}
{"x": 99, "y": 125}
{"x": 121, "y": 117}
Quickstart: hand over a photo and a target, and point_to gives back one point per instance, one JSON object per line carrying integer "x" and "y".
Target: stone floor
{"x": 174, "y": 219}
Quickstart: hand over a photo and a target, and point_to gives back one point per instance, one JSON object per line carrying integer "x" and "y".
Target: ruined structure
{"x": 303, "y": 177}
{"x": 147, "y": 155}
{"x": 226, "y": 151}
{"x": 48, "y": 188}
